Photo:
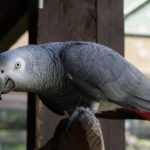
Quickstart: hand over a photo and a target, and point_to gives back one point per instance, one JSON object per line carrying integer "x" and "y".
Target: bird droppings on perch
{"x": 84, "y": 134}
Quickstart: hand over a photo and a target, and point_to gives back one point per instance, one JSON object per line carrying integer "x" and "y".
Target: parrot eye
{"x": 18, "y": 65}
{"x": 2, "y": 71}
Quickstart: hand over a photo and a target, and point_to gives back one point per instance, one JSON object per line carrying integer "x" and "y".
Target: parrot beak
{"x": 6, "y": 85}
{"x": 1, "y": 87}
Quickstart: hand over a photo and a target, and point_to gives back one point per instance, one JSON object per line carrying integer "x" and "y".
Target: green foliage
{"x": 12, "y": 147}
{"x": 12, "y": 129}
{"x": 12, "y": 119}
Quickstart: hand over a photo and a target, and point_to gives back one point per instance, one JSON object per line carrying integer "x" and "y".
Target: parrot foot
{"x": 83, "y": 116}
{"x": 74, "y": 116}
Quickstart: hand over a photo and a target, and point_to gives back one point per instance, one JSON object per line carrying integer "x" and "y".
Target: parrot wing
{"x": 103, "y": 73}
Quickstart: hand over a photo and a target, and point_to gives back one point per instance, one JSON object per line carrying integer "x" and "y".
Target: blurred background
{"x": 137, "y": 50}
{"x": 13, "y": 113}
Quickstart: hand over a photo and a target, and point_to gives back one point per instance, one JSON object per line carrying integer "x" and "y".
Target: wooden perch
{"x": 84, "y": 134}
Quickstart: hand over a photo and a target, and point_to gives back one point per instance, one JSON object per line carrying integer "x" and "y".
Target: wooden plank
{"x": 110, "y": 32}
{"x": 113, "y": 131}
{"x": 62, "y": 20}
{"x": 11, "y": 140}
{"x": 14, "y": 101}
{"x": 110, "y": 24}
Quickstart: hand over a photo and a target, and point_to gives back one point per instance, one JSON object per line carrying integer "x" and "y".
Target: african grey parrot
{"x": 66, "y": 75}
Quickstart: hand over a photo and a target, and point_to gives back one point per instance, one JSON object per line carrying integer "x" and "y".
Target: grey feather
{"x": 106, "y": 70}
{"x": 70, "y": 74}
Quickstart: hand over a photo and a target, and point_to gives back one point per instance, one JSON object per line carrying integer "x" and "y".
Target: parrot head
{"x": 26, "y": 69}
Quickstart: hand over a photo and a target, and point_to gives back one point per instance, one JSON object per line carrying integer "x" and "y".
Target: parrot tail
{"x": 145, "y": 115}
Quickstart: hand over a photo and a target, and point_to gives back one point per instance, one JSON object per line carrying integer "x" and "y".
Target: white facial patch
{"x": 17, "y": 67}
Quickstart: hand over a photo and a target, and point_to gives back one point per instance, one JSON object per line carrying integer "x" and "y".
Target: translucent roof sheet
{"x": 130, "y": 5}
{"x": 137, "y": 17}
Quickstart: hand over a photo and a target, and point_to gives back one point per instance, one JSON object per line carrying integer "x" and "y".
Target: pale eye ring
{"x": 17, "y": 65}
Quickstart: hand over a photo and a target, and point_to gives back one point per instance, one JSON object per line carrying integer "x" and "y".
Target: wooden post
{"x": 32, "y": 103}
{"x": 87, "y": 20}
{"x": 62, "y": 20}
{"x": 110, "y": 32}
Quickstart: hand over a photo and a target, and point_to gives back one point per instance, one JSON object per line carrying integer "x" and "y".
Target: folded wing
{"x": 109, "y": 73}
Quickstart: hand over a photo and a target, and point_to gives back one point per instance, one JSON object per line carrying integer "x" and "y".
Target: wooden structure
{"x": 62, "y": 20}
{"x": 84, "y": 134}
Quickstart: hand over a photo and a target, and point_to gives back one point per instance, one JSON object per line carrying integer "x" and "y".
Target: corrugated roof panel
{"x": 130, "y": 5}
{"x": 138, "y": 23}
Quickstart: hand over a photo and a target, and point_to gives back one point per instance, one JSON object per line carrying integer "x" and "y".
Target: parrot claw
{"x": 80, "y": 114}
{"x": 73, "y": 117}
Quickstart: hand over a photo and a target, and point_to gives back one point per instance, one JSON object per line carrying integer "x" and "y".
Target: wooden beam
{"x": 62, "y": 20}
{"x": 32, "y": 102}
{"x": 110, "y": 24}
{"x": 14, "y": 32}
{"x": 12, "y": 11}
{"x": 110, "y": 32}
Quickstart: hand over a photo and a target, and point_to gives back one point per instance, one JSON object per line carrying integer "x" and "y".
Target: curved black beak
{"x": 1, "y": 87}
{"x": 6, "y": 85}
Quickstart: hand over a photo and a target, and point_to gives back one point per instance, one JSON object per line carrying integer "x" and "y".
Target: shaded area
{"x": 119, "y": 114}
{"x": 10, "y": 14}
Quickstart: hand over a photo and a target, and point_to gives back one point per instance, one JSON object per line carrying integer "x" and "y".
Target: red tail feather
{"x": 145, "y": 115}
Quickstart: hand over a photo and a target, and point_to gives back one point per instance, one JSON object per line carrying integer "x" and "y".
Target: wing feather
{"x": 104, "y": 69}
